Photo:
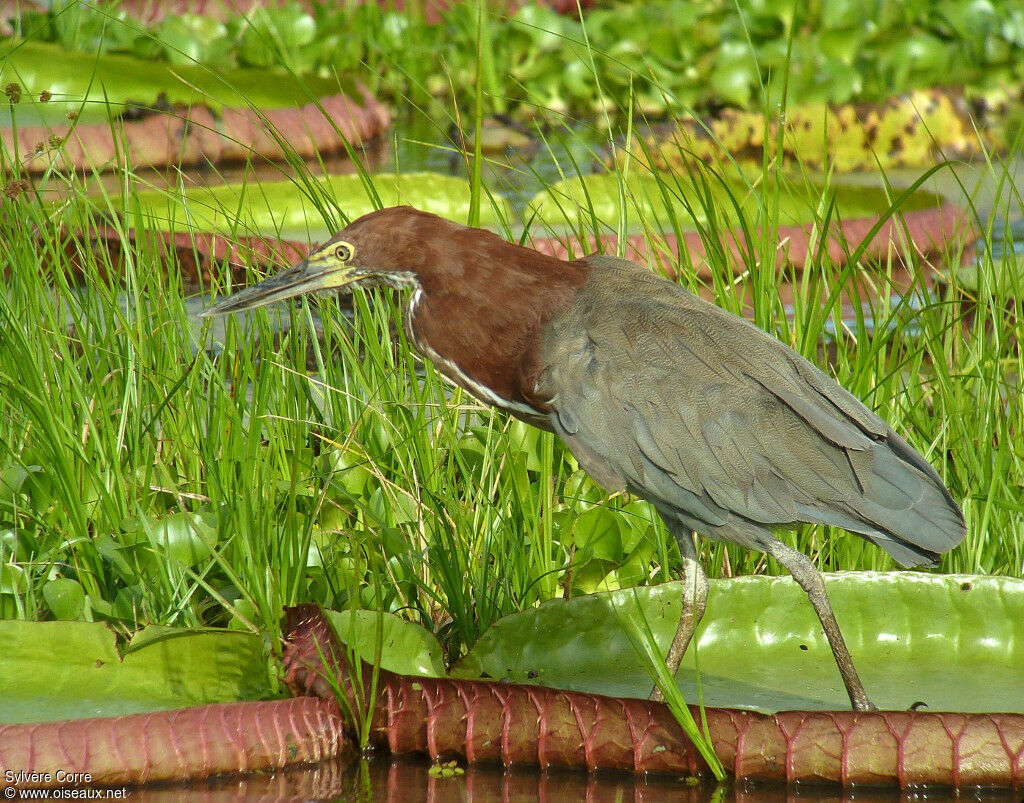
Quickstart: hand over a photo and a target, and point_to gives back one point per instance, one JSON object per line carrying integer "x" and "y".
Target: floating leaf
{"x": 85, "y": 83}
{"x": 955, "y": 643}
{"x": 285, "y": 208}
{"x": 71, "y": 670}
{"x": 659, "y": 198}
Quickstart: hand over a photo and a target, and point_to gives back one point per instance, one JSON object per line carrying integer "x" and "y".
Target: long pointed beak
{"x": 305, "y": 277}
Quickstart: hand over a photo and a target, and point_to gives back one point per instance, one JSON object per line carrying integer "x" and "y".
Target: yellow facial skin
{"x": 328, "y": 268}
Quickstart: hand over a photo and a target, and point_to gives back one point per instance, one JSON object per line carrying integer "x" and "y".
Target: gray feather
{"x": 725, "y": 429}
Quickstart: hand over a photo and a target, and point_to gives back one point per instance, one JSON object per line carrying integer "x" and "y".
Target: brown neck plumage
{"x": 479, "y": 303}
{"x": 482, "y": 303}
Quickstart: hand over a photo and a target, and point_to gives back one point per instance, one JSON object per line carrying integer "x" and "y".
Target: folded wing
{"x": 725, "y": 428}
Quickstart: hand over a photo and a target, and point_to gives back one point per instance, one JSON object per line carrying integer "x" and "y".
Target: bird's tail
{"x": 905, "y": 507}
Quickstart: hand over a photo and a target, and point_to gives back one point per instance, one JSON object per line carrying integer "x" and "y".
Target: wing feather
{"x": 708, "y": 417}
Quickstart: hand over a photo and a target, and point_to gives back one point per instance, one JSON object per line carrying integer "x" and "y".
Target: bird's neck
{"x": 482, "y": 328}
{"x": 463, "y": 370}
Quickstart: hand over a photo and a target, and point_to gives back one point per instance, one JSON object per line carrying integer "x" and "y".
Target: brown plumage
{"x": 724, "y": 429}
{"x": 484, "y": 300}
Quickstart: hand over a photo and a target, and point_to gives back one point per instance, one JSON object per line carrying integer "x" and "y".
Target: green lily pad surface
{"x": 286, "y": 209}
{"x": 670, "y": 199}
{"x": 87, "y": 83}
{"x": 954, "y": 643}
{"x": 71, "y": 670}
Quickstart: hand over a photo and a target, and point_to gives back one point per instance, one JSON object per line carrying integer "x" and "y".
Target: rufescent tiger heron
{"x": 727, "y": 432}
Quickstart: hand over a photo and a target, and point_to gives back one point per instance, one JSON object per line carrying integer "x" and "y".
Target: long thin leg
{"x": 810, "y": 580}
{"x": 695, "y": 597}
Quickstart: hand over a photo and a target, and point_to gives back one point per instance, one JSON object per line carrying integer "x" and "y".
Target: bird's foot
{"x": 862, "y": 703}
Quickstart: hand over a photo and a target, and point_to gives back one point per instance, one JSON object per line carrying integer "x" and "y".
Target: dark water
{"x": 400, "y": 780}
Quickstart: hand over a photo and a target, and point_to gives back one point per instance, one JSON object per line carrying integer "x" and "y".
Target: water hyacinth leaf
{"x": 31, "y": 481}
{"x": 12, "y": 478}
{"x": 680, "y": 43}
{"x": 595, "y": 576}
{"x": 71, "y": 670}
{"x": 244, "y": 614}
{"x": 954, "y": 643}
{"x": 65, "y": 598}
{"x": 115, "y": 554}
{"x": 596, "y": 533}
{"x": 191, "y": 38}
{"x": 472, "y": 452}
{"x": 276, "y": 34}
{"x": 9, "y": 543}
{"x": 131, "y": 600}
{"x": 188, "y": 538}
{"x": 735, "y": 74}
{"x": 321, "y": 545}
{"x": 287, "y": 487}
{"x": 972, "y": 20}
{"x": 99, "y": 608}
{"x": 394, "y": 507}
{"x": 915, "y": 57}
{"x": 527, "y": 441}
{"x": 538, "y": 29}
{"x": 281, "y": 208}
{"x": 842, "y": 14}
{"x": 637, "y": 566}
{"x": 349, "y": 468}
{"x": 842, "y": 46}
{"x": 405, "y": 647}
{"x": 581, "y": 492}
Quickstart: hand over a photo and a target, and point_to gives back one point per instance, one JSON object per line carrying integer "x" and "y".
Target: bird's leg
{"x": 695, "y": 597}
{"x": 811, "y": 581}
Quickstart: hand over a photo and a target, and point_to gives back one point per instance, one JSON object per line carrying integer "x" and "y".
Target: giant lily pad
{"x": 285, "y": 209}
{"x": 664, "y": 199}
{"x": 85, "y": 83}
{"x": 954, "y": 643}
{"x": 72, "y": 670}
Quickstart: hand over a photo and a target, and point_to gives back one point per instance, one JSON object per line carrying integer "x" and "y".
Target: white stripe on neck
{"x": 452, "y": 372}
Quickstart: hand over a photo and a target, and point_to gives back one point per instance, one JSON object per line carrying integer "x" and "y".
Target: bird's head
{"x": 376, "y": 250}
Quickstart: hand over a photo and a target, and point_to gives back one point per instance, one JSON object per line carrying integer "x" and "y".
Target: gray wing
{"x": 724, "y": 428}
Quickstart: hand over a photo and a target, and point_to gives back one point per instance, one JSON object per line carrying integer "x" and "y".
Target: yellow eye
{"x": 343, "y": 251}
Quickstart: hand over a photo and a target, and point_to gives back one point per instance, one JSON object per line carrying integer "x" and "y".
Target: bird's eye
{"x": 343, "y": 251}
